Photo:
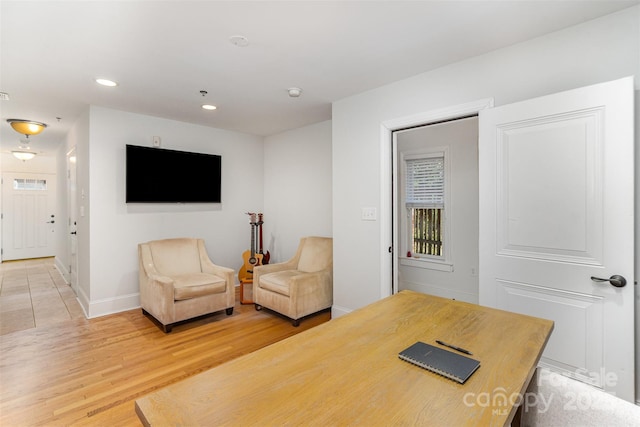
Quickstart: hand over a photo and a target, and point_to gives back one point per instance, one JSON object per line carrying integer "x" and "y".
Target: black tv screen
{"x": 157, "y": 175}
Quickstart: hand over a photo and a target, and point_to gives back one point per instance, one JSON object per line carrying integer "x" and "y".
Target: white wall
{"x": 43, "y": 163}
{"x": 62, "y": 214}
{"x": 601, "y": 50}
{"x": 77, "y": 137}
{"x": 110, "y": 274}
{"x": 297, "y": 188}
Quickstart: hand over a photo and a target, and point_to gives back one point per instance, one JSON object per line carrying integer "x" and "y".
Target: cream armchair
{"x": 178, "y": 281}
{"x": 301, "y": 286}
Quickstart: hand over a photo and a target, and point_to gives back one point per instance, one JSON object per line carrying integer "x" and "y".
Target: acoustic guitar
{"x": 250, "y": 258}
{"x": 265, "y": 256}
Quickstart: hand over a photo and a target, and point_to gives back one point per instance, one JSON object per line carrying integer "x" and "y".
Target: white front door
{"x": 28, "y": 216}
{"x": 557, "y": 212}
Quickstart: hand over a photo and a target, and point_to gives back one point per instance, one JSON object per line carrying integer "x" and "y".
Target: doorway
{"x": 29, "y": 215}
{"x": 437, "y": 190}
{"x": 389, "y": 267}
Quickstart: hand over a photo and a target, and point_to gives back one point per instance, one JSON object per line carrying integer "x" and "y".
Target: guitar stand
{"x": 242, "y": 283}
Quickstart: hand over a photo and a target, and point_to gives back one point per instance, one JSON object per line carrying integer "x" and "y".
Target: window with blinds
{"x": 424, "y": 200}
{"x": 425, "y": 183}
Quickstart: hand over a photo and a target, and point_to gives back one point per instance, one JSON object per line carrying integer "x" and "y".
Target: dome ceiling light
{"x": 26, "y": 127}
{"x": 23, "y": 155}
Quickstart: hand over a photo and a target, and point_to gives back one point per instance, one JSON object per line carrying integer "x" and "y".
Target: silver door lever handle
{"x": 615, "y": 280}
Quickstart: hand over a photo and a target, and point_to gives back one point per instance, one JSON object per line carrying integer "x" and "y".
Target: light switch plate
{"x": 369, "y": 214}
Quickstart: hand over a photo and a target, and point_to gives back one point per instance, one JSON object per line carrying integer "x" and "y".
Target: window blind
{"x": 425, "y": 183}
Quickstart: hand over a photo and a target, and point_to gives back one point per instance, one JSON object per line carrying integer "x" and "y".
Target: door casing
{"x": 388, "y": 197}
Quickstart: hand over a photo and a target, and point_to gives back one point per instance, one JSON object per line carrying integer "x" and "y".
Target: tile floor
{"x": 33, "y": 293}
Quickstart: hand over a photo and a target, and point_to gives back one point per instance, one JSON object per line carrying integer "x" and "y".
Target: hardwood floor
{"x": 89, "y": 371}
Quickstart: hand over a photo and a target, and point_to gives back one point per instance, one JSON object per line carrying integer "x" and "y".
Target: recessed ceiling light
{"x": 106, "y": 82}
{"x": 294, "y": 92}
{"x": 209, "y": 107}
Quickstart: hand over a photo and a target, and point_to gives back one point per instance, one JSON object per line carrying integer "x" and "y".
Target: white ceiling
{"x": 163, "y": 53}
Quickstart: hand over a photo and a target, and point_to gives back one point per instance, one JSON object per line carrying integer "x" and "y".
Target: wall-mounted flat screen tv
{"x": 157, "y": 175}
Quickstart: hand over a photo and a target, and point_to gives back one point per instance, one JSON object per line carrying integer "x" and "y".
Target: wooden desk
{"x": 347, "y": 372}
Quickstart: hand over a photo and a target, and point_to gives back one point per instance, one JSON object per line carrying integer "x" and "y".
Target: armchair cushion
{"x": 197, "y": 284}
{"x": 279, "y": 282}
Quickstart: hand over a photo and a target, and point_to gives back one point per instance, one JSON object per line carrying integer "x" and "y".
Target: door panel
{"x": 28, "y": 217}
{"x": 578, "y": 324}
{"x": 556, "y": 208}
{"x": 548, "y": 197}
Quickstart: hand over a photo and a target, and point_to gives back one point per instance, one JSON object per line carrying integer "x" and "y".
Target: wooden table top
{"x": 347, "y": 372}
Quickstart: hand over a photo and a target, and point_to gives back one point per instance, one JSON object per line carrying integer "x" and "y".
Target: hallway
{"x": 33, "y": 294}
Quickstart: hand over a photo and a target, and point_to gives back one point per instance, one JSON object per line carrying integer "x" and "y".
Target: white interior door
{"x": 72, "y": 242}
{"x": 556, "y": 209}
{"x": 28, "y": 216}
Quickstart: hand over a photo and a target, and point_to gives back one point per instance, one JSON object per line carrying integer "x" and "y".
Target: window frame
{"x": 432, "y": 262}
{"x": 29, "y": 184}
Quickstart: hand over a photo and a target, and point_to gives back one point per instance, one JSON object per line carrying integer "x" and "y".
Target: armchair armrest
{"x": 272, "y": 268}
{"x": 162, "y": 285}
{"x": 308, "y": 283}
{"x": 152, "y": 282}
{"x": 310, "y": 292}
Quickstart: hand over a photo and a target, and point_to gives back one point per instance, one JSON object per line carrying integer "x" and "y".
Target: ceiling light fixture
{"x": 209, "y": 107}
{"x": 26, "y": 127}
{"x": 106, "y": 82}
{"x": 23, "y": 155}
{"x": 294, "y": 92}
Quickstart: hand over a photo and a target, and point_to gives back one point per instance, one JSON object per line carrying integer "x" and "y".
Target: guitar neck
{"x": 253, "y": 239}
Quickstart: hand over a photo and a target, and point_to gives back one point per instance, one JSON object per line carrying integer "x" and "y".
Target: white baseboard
{"x": 83, "y": 299}
{"x": 107, "y": 306}
{"x": 337, "y": 311}
{"x": 62, "y": 270}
